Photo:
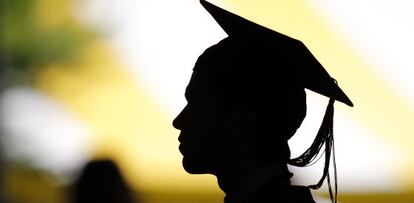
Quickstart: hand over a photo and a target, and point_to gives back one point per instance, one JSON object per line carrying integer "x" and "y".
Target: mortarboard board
{"x": 312, "y": 76}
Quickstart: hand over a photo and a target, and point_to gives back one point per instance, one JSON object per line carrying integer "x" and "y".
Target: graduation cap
{"x": 312, "y": 76}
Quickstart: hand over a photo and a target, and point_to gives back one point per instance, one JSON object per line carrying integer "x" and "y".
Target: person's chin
{"x": 193, "y": 167}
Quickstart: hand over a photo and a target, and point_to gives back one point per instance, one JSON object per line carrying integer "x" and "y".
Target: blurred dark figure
{"x": 101, "y": 182}
{"x": 246, "y": 99}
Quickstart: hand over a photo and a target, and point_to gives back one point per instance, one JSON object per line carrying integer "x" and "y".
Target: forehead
{"x": 201, "y": 85}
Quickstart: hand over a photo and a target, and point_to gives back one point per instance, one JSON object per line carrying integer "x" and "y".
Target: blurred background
{"x": 84, "y": 80}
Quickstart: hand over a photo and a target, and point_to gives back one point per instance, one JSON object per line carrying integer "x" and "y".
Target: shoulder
{"x": 301, "y": 194}
{"x": 270, "y": 193}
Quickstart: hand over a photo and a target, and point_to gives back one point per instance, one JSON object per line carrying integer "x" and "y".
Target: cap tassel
{"x": 310, "y": 156}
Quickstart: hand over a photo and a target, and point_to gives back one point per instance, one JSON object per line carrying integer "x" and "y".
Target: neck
{"x": 233, "y": 181}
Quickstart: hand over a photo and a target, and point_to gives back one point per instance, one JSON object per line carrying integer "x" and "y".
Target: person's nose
{"x": 179, "y": 120}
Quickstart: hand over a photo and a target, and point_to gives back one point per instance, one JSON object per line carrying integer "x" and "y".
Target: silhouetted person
{"x": 246, "y": 98}
{"x": 101, "y": 182}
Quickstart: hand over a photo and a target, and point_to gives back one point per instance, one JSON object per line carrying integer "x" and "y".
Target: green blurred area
{"x": 27, "y": 45}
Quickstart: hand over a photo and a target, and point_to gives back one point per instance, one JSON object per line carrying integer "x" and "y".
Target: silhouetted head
{"x": 101, "y": 181}
{"x": 238, "y": 101}
{"x": 246, "y": 97}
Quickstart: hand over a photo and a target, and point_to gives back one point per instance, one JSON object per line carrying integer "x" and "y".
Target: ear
{"x": 243, "y": 132}
{"x": 242, "y": 122}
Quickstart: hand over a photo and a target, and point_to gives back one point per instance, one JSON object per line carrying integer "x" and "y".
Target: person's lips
{"x": 180, "y": 148}
{"x": 180, "y": 137}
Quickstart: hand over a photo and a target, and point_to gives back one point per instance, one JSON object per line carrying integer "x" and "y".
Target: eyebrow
{"x": 192, "y": 95}
{"x": 187, "y": 94}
